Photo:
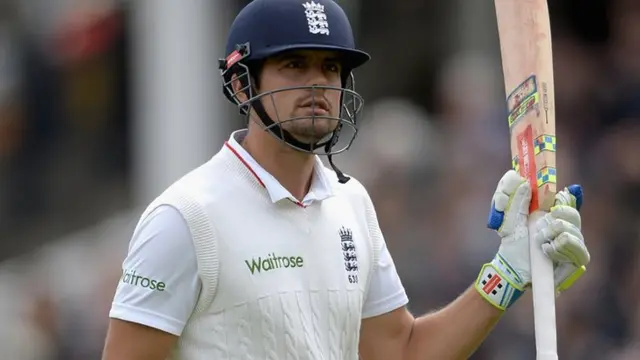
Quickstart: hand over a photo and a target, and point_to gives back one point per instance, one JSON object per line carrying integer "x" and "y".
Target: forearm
{"x": 453, "y": 332}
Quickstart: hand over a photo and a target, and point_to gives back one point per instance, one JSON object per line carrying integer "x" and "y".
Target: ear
{"x": 238, "y": 88}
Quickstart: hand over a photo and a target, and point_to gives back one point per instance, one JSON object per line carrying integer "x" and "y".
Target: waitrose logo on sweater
{"x": 132, "y": 278}
{"x": 273, "y": 262}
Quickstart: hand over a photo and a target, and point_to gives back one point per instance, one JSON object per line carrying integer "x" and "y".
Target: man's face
{"x": 313, "y": 107}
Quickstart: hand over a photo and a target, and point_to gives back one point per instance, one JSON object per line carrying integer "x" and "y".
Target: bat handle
{"x": 543, "y": 291}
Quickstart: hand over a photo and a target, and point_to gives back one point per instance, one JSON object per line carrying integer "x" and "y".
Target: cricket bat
{"x": 527, "y": 63}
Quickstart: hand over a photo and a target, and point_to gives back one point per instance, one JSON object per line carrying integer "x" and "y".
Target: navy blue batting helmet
{"x": 265, "y": 28}
{"x": 274, "y": 26}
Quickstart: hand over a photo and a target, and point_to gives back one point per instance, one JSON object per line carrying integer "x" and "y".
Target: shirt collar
{"x": 320, "y": 185}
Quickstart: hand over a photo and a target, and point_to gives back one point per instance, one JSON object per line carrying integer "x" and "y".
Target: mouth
{"x": 317, "y": 107}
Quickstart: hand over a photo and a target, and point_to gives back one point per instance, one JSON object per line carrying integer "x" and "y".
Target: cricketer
{"x": 262, "y": 252}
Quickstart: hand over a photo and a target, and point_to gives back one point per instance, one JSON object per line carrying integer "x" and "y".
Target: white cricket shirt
{"x": 162, "y": 280}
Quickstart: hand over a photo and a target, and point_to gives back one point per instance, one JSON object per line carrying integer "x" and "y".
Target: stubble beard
{"x": 312, "y": 129}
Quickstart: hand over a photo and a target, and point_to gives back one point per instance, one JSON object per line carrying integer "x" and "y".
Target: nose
{"x": 317, "y": 77}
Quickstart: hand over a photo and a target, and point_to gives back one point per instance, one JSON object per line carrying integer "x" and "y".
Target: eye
{"x": 333, "y": 67}
{"x": 294, "y": 64}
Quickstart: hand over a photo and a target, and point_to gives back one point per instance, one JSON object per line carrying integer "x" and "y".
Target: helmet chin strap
{"x": 284, "y": 135}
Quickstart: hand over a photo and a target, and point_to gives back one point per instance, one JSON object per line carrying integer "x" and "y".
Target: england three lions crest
{"x": 349, "y": 254}
{"x": 316, "y": 18}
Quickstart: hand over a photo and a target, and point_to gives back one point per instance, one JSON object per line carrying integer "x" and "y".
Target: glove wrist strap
{"x": 499, "y": 284}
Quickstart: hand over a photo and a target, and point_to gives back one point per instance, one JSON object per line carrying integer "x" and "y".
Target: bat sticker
{"x": 527, "y": 163}
{"x": 514, "y": 164}
{"x": 523, "y": 99}
{"x": 546, "y": 175}
{"x": 544, "y": 143}
{"x": 545, "y": 101}
{"x": 541, "y": 143}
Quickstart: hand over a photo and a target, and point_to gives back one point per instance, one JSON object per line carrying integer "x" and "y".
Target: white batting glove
{"x": 508, "y": 275}
{"x": 559, "y": 233}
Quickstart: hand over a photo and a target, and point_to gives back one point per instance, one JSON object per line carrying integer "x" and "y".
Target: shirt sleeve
{"x": 386, "y": 292}
{"x": 159, "y": 286}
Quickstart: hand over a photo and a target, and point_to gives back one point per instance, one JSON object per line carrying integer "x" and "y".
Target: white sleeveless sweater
{"x": 278, "y": 281}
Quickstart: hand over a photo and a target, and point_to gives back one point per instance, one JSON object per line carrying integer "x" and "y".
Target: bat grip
{"x": 543, "y": 292}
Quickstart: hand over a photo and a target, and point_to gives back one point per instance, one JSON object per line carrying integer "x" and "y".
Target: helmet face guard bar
{"x": 351, "y": 105}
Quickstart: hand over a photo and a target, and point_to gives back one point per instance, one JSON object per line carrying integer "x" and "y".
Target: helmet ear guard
{"x": 234, "y": 65}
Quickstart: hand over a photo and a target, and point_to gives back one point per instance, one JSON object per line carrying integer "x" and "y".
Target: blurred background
{"x": 103, "y": 103}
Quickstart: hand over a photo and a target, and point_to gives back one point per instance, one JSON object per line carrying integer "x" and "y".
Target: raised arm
{"x": 455, "y": 331}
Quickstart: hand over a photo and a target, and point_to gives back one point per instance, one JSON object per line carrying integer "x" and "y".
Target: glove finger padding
{"x": 560, "y": 235}
{"x": 550, "y": 228}
{"x": 510, "y": 200}
{"x": 567, "y": 248}
{"x": 572, "y": 196}
{"x": 568, "y": 214}
{"x": 566, "y": 274}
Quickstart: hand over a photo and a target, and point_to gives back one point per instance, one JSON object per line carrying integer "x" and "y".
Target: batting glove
{"x": 508, "y": 275}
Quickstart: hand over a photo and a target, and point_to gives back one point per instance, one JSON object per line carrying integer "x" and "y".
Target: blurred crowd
{"x": 63, "y": 113}
{"x": 433, "y": 142}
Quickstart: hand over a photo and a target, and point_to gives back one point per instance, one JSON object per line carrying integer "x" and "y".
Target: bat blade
{"x": 527, "y": 64}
